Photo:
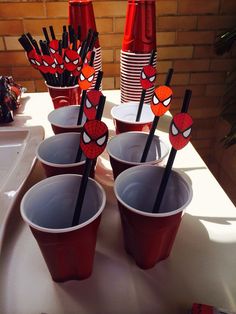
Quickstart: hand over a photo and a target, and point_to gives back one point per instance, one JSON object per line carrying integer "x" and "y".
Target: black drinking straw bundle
{"x": 59, "y": 60}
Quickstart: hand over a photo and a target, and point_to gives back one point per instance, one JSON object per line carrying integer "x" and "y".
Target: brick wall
{"x": 186, "y": 30}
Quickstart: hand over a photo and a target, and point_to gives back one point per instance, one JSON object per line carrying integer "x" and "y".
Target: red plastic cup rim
{"x": 61, "y": 88}
{"x": 51, "y": 180}
{"x": 128, "y": 53}
{"x": 184, "y": 178}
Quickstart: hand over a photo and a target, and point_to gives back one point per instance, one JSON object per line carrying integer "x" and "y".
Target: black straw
{"x": 154, "y": 123}
{"x": 167, "y": 171}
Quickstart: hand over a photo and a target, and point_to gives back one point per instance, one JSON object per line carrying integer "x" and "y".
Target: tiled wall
{"x": 186, "y": 30}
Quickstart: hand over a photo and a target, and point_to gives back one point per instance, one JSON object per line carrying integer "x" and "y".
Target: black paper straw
{"x": 154, "y": 123}
{"x": 99, "y": 80}
{"x": 25, "y": 43}
{"x": 31, "y": 39}
{"x": 71, "y": 34}
{"x": 52, "y": 32}
{"x": 82, "y": 190}
{"x": 45, "y": 32}
{"x": 167, "y": 171}
{"x": 142, "y": 98}
{"x": 36, "y": 46}
{"x": 100, "y": 108}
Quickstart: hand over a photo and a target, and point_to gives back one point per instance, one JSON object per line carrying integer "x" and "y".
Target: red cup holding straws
{"x": 148, "y": 236}
{"x": 140, "y": 27}
{"x": 124, "y": 118}
{"x": 64, "y": 119}
{"x": 125, "y": 151}
{"x": 57, "y": 155}
{"x": 48, "y": 209}
{"x": 64, "y": 96}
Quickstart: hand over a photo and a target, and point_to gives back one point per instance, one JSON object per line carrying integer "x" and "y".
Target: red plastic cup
{"x": 124, "y": 118}
{"x": 125, "y": 151}
{"x": 64, "y": 96}
{"x": 64, "y": 119}
{"x": 48, "y": 208}
{"x": 149, "y": 237}
{"x": 140, "y": 27}
{"x": 57, "y": 155}
{"x": 81, "y": 13}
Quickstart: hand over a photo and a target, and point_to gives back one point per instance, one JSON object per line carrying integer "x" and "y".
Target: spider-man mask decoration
{"x": 161, "y": 100}
{"x": 91, "y": 103}
{"x": 148, "y": 77}
{"x": 86, "y": 77}
{"x": 53, "y": 46}
{"x": 180, "y": 130}
{"x": 71, "y": 60}
{"x": 48, "y": 65}
{"x": 34, "y": 59}
{"x": 78, "y": 68}
{"x": 93, "y": 138}
{"x": 59, "y": 63}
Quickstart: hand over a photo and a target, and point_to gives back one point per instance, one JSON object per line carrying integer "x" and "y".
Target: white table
{"x": 201, "y": 267}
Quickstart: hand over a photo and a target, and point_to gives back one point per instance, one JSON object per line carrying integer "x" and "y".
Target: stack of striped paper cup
{"x": 138, "y": 43}
{"x": 81, "y": 14}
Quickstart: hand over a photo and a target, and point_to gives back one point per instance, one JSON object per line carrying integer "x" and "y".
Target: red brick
{"x": 35, "y": 26}
{"x": 2, "y": 46}
{"x": 222, "y": 64}
{"x": 26, "y": 72}
{"x": 104, "y": 25}
{"x": 40, "y": 86}
{"x": 207, "y": 78}
{"x": 111, "y": 69}
{"x": 200, "y": 37}
{"x": 173, "y": 23}
{"x": 22, "y": 9}
{"x": 191, "y": 65}
{"x": 164, "y": 66}
{"x": 165, "y": 38}
{"x": 11, "y": 27}
{"x": 180, "y": 52}
{"x": 119, "y": 24}
{"x": 5, "y": 70}
{"x": 29, "y": 85}
{"x": 111, "y": 40}
{"x": 197, "y": 90}
{"x": 207, "y": 51}
{"x": 109, "y": 9}
{"x": 228, "y": 6}
{"x": 216, "y": 22}
{"x": 57, "y": 9}
{"x": 215, "y": 90}
{"x": 108, "y": 83}
{"x": 13, "y": 58}
{"x": 177, "y": 79}
{"x": 166, "y": 7}
{"x": 198, "y": 7}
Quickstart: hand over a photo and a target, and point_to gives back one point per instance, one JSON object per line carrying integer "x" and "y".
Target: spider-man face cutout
{"x": 91, "y": 103}
{"x": 71, "y": 60}
{"x": 53, "y": 46}
{"x": 59, "y": 63}
{"x": 93, "y": 138}
{"x": 78, "y": 68}
{"x": 148, "y": 77}
{"x": 86, "y": 77}
{"x": 48, "y": 65}
{"x": 161, "y": 100}
{"x": 180, "y": 130}
{"x": 34, "y": 59}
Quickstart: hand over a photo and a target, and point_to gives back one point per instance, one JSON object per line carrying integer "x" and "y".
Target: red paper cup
{"x": 125, "y": 151}
{"x": 124, "y": 118}
{"x": 48, "y": 208}
{"x": 57, "y": 154}
{"x": 64, "y": 96}
{"x": 81, "y": 13}
{"x": 64, "y": 119}
{"x": 149, "y": 237}
{"x": 140, "y": 27}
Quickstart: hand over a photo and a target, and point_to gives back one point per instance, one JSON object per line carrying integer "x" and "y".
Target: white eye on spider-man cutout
{"x": 148, "y": 77}
{"x": 93, "y": 138}
{"x": 180, "y": 130}
{"x": 72, "y": 60}
{"x": 161, "y": 100}
{"x": 86, "y": 77}
{"x": 91, "y": 103}
{"x": 34, "y": 59}
{"x": 48, "y": 65}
